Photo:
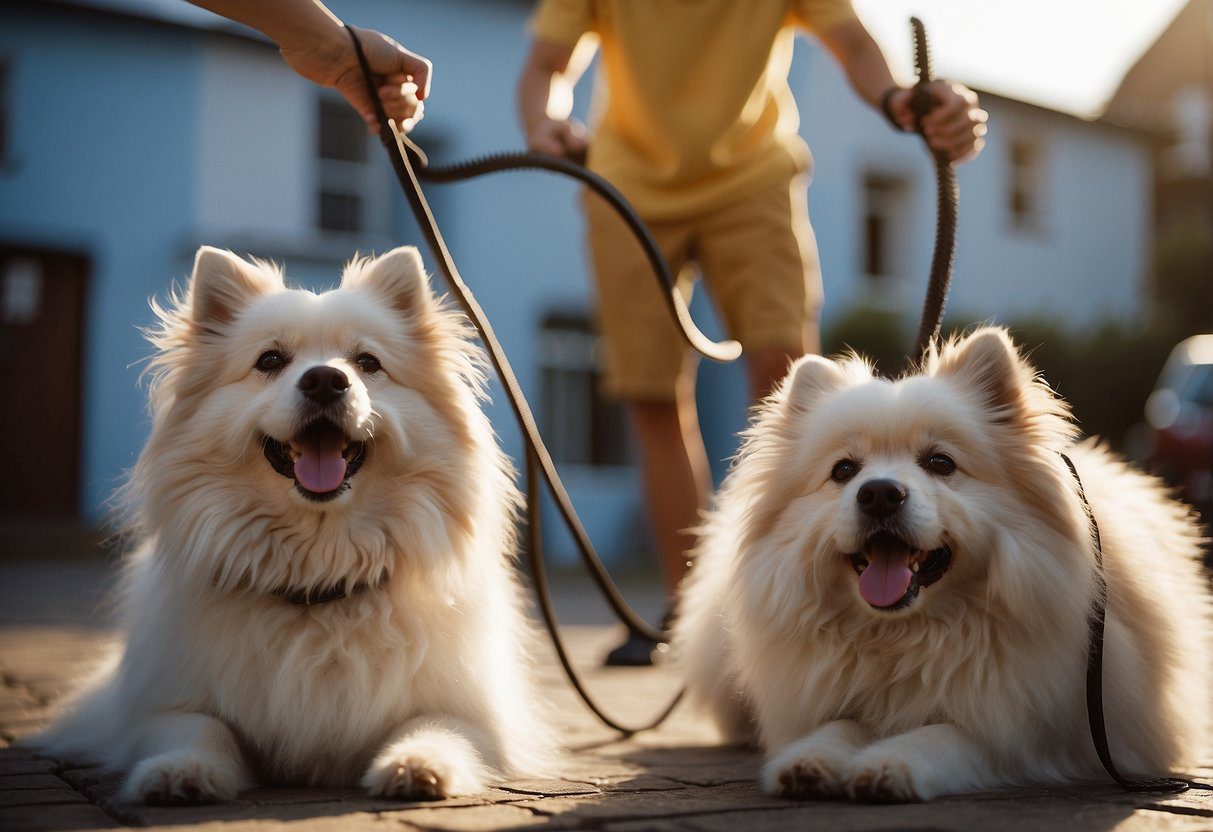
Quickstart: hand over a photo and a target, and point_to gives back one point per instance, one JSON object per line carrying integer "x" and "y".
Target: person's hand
{"x": 403, "y": 77}
{"x": 954, "y": 126}
{"x": 565, "y": 138}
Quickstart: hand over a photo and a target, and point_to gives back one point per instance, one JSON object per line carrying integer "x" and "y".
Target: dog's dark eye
{"x": 939, "y": 464}
{"x": 368, "y": 363}
{"x": 844, "y": 469}
{"x": 271, "y": 361}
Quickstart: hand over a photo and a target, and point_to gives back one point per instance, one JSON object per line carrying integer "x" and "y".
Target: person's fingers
{"x": 573, "y": 137}
{"x": 545, "y": 138}
{"x": 418, "y": 69}
{"x": 944, "y": 111}
{"x": 950, "y": 99}
{"x": 965, "y": 128}
{"x": 407, "y": 112}
{"x": 402, "y": 77}
{"x": 393, "y": 64}
{"x": 962, "y": 146}
{"x": 955, "y": 147}
{"x": 575, "y": 144}
{"x": 967, "y": 152}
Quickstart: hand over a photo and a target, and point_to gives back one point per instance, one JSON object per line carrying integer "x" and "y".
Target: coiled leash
{"x": 406, "y": 159}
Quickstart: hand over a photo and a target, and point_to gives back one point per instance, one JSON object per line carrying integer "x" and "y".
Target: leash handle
{"x": 1095, "y": 711}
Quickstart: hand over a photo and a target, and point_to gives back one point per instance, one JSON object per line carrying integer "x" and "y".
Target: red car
{"x": 1180, "y": 410}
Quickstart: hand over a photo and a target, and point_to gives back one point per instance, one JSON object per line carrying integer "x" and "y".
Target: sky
{"x": 1068, "y": 55}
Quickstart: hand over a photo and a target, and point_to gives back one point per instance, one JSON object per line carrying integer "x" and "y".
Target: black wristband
{"x": 887, "y": 110}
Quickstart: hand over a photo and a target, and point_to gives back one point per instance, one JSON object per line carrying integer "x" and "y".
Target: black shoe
{"x": 638, "y": 650}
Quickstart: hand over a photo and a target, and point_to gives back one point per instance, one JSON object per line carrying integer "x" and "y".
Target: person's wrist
{"x": 886, "y": 107}
{"x": 319, "y": 39}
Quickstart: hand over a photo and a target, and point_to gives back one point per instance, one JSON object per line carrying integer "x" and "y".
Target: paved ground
{"x": 51, "y": 630}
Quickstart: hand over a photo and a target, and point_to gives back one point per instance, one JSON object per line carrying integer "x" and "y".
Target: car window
{"x": 1199, "y": 387}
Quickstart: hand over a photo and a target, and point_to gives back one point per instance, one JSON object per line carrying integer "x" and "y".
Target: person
{"x": 699, "y": 131}
{"x": 314, "y": 43}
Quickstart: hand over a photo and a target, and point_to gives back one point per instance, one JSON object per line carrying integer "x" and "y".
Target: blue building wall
{"x": 103, "y": 137}
{"x": 135, "y": 141}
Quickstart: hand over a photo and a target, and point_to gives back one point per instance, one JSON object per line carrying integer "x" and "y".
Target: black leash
{"x": 537, "y": 456}
{"x": 1095, "y": 715}
{"x": 947, "y": 195}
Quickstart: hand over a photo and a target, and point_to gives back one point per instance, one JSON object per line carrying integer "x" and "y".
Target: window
{"x": 1192, "y": 117}
{"x": 345, "y": 170}
{"x": 579, "y": 425}
{"x": 883, "y": 224}
{"x": 1026, "y": 184}
{"x": 21, "y": 291}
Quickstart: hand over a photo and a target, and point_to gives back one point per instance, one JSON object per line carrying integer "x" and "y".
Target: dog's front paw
{"x": 886, "y": 778}
{"x": 817, "y": 765}
{"x": 182, "y": 777}
{"x": 424, "y": 770}
{"x": 806, "y": 778}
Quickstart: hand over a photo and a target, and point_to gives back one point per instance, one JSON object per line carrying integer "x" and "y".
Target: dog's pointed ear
{"x": 222, "y": 284}
{"x": 810, "y": 378}
{"x": 988, "y": 363}
{"x": 1008, "y": 387}
{"x": 399, "y": 276}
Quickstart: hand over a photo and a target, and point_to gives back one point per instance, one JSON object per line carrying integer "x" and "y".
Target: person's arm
{"x": 313, "y": 42}
{"x": 956, "y": 124}
{"x": 545, "y": 99}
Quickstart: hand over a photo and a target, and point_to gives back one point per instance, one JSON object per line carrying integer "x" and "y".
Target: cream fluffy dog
{"x": 894, "y": 586}
{"x": 323, "y": 590}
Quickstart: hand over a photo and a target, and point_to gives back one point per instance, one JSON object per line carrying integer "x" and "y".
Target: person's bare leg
{"x": 677, "y": 479}
{"x": 766, "y": 367}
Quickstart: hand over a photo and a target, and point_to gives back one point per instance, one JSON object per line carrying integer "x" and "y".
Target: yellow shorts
{"x": 758, "y": 259}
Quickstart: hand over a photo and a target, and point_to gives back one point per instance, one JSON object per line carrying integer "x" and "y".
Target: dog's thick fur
{"x": 417, "y": 682}
{"x": 979, "y": 680}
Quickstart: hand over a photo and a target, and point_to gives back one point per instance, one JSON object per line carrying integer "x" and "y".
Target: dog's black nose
{"x": 324, "y": 384}
{"x": 880, "y": 498}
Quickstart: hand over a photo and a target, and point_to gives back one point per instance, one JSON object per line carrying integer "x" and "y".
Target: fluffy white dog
{"x": 323, "y": 590}
{"x": 894, "y": 588}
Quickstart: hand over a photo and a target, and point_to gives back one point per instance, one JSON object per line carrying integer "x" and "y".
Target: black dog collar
{"x": 309, "y": 598}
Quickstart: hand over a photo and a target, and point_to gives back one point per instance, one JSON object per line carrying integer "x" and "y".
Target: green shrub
{"x": 883, "y": 336}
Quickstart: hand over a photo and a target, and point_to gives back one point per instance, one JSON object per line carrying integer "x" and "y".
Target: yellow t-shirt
{"x": 698, "y": 111}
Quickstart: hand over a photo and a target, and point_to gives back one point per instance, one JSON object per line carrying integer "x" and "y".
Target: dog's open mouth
{"x": 892, "y": 571}
{"x": 320, "y": 459}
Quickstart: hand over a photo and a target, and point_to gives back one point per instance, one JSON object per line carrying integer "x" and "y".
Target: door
{"x": 42, "y": 295}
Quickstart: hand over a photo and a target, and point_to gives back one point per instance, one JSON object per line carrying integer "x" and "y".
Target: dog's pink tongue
{"x": 320, "y": 467}
{"x": 888, "y": 574}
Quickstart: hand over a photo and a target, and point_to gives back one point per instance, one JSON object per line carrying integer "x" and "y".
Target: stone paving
{"x": 51, "y": 631}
